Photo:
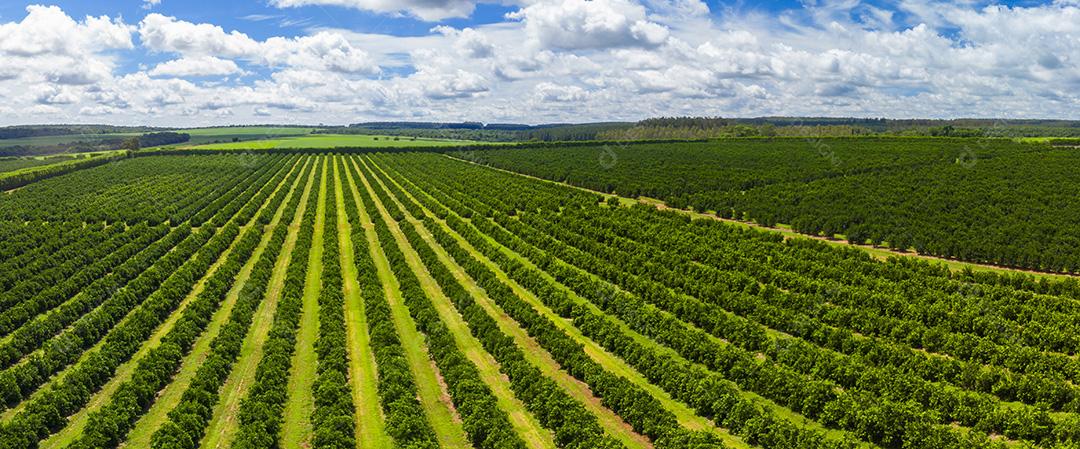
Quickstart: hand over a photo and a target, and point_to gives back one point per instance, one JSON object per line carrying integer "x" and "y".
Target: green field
{"x": 334, "y": 141}
{"x": 19, "y": 163}
{"x": 254, "y": 131}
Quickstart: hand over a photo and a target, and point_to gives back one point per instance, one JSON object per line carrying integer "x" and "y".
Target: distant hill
{"x": 27, "y": 131}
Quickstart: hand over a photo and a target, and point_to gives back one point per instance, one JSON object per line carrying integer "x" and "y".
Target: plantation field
{"x": 989, "y": 201}
{"x": 334, "y": 141}
{"x": 402, "y": 300}
{"x": 18, "y": 172}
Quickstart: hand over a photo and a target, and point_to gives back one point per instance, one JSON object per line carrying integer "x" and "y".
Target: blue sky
{"x": 339, "y": 61}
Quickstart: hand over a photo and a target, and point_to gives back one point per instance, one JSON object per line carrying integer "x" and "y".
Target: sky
{"x": 212, "y": 62}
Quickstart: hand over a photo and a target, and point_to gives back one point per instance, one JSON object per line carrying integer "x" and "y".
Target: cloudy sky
{"x": 199, "y": 62}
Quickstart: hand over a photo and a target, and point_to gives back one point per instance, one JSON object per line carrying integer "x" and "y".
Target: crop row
{"x": 46, "y": 412}
{"x": 109, "y": 425}
{"x": 487, "y": 425}
{"x": 261, "y": 411}
{"x": 1040, "y": 429}
{"x": 944, "y": 197}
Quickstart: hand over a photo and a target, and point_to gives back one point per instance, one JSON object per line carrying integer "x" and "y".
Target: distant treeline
{"x": 78, "y": 146}
{"x": 718, "y": 127}
{"x": 491, "y": 132}
{"x": 105, "y": 142}
{"x": 464, "y": 151}
{"x": 26, "y": 131}
{"x": 164, "y": 138}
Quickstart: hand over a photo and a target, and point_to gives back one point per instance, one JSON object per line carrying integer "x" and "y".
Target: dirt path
{"x": 297, "y": 429}
{"x": 363, "y": 373}
{"x": 225, "y": 421}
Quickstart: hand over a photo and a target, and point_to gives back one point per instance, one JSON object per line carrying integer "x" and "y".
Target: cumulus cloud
{"x": 468, "y": 42}
{"x": 54, "y": 95}
{"x": 551, "y": 92}
{"x": 196, "y": 66}
{"x": 554, "y": 60}
{"x": 167, "y": 34}
{"x": 429, "y": 10}
{"x": 47, "y": 30}
{"x": 50, "y": 60}
{"x": 325, "y": 50}
{"x": 82, "y": 72}
{"x": 442, "y": 86}
{"x": 580, "y": 24}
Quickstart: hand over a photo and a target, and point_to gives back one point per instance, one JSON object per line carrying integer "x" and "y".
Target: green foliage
{"x": 958, "y": 198}
{"x": 261, "y": 411}
{"x": 10, "y": 164}
{"x": 188, "y": 420}
{"x": 144, "y": 304}
{"x": 481, "y": 132}
{"x": 487, "y": 425}
{"x": 693, "y": 285}
{"x": 786, "y": 343}
{"x": 140, "y": 189}
{"x": 405, "y": 421}
{"x": 334, "y": 417}
{"x": 162, "y": 138}
{"x": 572, "y": 424}
{"x": 27, "y": 175}
{"x": 130, "y": 143}
{"x": 640, "y": 409}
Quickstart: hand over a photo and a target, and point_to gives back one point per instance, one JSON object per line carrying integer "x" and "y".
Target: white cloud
{"x": 468, "y": 42}
{"x": 550, "y": 92}
{"x": 429, "y": 10}
{"x": 47, "y": 30}
{"x": 581, "y": 24}
{"x": 97, "y": 110}
{"x": 554, "y": 60}
{"x": 147, "y": 4}
{"x": 323, "y": 50}
{"x": 167, "y": 34}
{"x": 458, "y": 84}
{"x": 54, "y": 95}
{"x": 80, "y": 73}
{"x": 8, "y": 71}
{"x": 50, "y": 60}
{"x": 196, "y": 66}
